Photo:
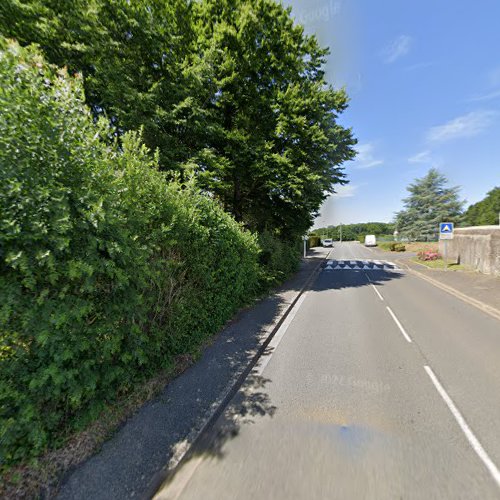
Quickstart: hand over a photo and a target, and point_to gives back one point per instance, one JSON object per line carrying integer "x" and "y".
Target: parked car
{"x": 370, "y": 240}
{"x": 327, "y": 243}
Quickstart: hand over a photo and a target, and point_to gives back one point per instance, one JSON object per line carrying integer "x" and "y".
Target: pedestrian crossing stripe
{"x": 358, "y": 265}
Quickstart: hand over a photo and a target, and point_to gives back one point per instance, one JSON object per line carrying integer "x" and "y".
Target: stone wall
{"x": 477, "y": 247}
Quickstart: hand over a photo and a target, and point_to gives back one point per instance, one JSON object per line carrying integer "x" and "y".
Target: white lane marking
{"x": 279, "y": 336}
{"x": 473, "y": 441}
{"x": 400, "y": 326}
{"x": 377, "y": 292}
{"x": 374, "y": 287}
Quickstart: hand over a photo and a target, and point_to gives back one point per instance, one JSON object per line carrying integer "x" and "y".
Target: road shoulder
{"x": 480, "y": 290}
{"x": 158, "y": 435}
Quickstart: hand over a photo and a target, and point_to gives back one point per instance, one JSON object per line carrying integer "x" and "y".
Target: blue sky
{"x": 424, "y": 82}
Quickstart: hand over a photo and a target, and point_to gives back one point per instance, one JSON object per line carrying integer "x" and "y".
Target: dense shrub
{"x": 397, "y": 247}
{"x": 106, "y": 270}
{"x": 314, "y": 241}
{"x": 279, "y": 258}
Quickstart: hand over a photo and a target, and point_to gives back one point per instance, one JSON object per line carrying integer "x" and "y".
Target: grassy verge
{"x": 414, "y": 246}
{"x": 440, "y": 264}
{"x": 422, "y": 246}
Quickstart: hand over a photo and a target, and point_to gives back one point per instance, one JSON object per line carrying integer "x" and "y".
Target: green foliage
{"x": 274, "y": 148}
{"x": 397, "y": 247}
{"x": 484, "y": 212}
{"x": 314, "y": 241}
{"x": 430, "y": 202}
{"x": 231, "y": 90}
{"x": 279, "y": 258}
{"x": 106, "y": 270}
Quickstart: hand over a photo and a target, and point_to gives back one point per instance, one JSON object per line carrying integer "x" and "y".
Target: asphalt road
{"x": 378, "y": 385}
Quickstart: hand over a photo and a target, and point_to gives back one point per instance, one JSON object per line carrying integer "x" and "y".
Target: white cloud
{"x": 467, "y": 125}
{"x": 346, "y": 191}
{"x": 365, "y": 157}
{"x": 397, "y": 48}
{"x": 423, "y": 157}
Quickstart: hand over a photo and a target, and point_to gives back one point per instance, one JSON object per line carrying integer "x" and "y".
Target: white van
{"x": 370, "y": 240}
{"x": 327, "y": 242}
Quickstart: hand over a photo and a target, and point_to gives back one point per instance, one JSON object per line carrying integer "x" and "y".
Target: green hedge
{"x": 106, "y": 270}
{"x": 279, "y": 258}
{"x": 314, "y": 241}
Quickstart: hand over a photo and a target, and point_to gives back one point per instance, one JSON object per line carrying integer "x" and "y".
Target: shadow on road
{"x": 250, "y": 403}
{"x": 341, "y": 279}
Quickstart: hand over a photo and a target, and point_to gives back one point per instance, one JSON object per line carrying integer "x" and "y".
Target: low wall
{"x": 477, "y": 247}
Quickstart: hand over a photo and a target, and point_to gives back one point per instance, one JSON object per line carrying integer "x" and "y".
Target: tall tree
{"x": 430, "y": 202}
{"x": 131, "y": 56}
{"x": 485, "y": 212}
{"x": 276, "y": 147}
{"x": 231, "y": 91}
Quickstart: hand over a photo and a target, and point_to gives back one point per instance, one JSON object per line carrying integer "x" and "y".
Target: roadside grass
{"x": 414, "y": 246}
{"x": 384, "y": 245}
{"x": 441, "y": 264}
{"x": 422, "y": 246}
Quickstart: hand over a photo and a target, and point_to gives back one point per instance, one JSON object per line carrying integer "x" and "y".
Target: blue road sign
{"x": 446, "y": 228}
{"x": 446, "y": 231}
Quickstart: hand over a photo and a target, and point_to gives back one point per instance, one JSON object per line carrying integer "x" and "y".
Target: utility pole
{"x": 341, "y": 232}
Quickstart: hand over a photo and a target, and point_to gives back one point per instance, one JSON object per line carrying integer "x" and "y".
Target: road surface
{"x": 378, "y": 385}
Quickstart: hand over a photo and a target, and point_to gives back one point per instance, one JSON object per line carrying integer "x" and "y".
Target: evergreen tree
{"x": 484, "y": 212}
{"x": 430, "y": 202}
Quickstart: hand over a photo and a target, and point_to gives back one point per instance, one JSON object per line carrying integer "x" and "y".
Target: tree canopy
{"x": 484, "y": 212}
{"x": 231, "y": 92}
{"x": 429, "y": 203}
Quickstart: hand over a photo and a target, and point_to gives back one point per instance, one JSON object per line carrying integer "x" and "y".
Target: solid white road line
{"x": 400, "y": 326}
{"x": 474, "y": 442}
{"x": 279, "y": 336}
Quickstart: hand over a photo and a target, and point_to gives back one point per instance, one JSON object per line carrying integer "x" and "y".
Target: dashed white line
{"x": 378, "y": 293}
{"x": 374, "y": 287}
{"x": 473, "y": 441}
{"x": 400, "y": 326}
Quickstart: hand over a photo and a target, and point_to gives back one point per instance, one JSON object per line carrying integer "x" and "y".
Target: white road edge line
{"x": 265, "y": 358}
{"x": 400, "y": 326}
{"x": 474, "y": 442}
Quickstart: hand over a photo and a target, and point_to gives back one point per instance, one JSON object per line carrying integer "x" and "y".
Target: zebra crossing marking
{"x": 358, "y": 265}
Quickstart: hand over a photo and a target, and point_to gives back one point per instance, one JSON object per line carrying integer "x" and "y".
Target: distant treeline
{"x": 351, "y": 232}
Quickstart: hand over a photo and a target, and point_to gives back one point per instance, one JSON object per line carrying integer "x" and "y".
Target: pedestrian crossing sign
{"x": 446, "y": 230}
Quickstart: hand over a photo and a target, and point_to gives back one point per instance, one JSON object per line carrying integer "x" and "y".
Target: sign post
{"x": 445, "y": 234}
{"x": 305, "y": 238}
